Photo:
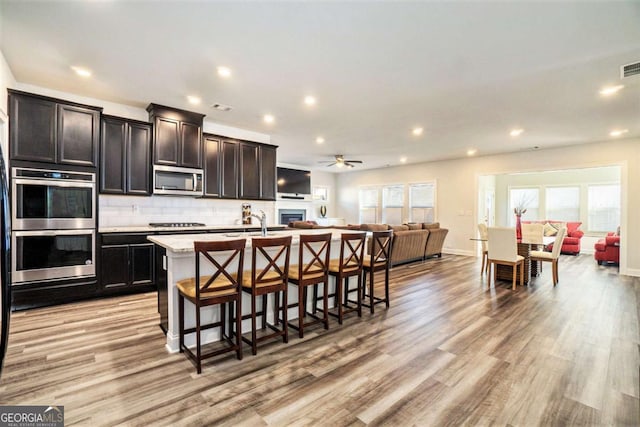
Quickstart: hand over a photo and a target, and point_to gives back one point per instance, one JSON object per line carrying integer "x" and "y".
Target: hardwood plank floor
{"x": 447, "y": 352}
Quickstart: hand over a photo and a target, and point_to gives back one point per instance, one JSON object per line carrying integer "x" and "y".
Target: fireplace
{"x": 288, "y": 215}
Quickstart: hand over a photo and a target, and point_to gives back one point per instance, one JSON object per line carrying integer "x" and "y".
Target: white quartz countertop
{"x": 213, "y": 228}
{"x": 184, "y": 242}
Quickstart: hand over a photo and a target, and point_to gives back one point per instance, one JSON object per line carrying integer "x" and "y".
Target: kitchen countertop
{"x": 183, "y": 243}
{"x": 213, "y": 228}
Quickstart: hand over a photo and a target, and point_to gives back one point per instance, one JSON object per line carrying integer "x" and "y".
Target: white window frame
{"x": 427, "y": 211}
{"x": 550, "y": 216}
{"x": 612, "y": 227}
{"x": 527, "y": 216}
{"x": 390, "y": 209}
{"x": 361, "y": 208}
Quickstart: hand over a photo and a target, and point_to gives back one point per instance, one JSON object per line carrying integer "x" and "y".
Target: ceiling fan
{"x": 341, "y": 162}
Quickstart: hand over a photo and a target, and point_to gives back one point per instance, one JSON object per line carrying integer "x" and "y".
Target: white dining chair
{"x": 532, "y": 234}
{"x": 503, "y": 250}
{"x": 552, "y": 256}
{"x": 482, "y": 230}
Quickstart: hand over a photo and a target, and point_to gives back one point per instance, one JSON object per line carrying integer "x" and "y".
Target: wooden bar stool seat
{"x": 220, "y": 288}
{"x": 261, "y": 281}
{"x": 316, "y": 249}
{"x": 348, "y": 265}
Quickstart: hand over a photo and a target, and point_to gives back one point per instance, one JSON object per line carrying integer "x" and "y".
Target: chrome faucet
{"x": 263, "y": 222}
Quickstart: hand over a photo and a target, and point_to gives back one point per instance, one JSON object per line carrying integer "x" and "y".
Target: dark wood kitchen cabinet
{"x": 177, "y": 136}
{"x": 212, "y": 160}
{"x": 268, "y": 174}
{"x": 125, "y": 156}
{"x": 229, "y": 150}
{"x": 49, "y": 130}
{"x": 249, "y": 170}
{"x": 126, "y": 261}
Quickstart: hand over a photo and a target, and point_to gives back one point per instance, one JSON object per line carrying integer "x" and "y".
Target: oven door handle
{"x": 53, "y": 183}
{"x": 52, "y": 232}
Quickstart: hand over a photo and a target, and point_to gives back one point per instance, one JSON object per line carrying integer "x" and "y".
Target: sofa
{"x": 607, "y": 250}
{"x": 571, "y": 242}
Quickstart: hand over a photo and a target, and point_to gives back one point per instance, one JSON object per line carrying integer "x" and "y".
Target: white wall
{"x": 6, "y": 81}
{"x": 457, "y": 188}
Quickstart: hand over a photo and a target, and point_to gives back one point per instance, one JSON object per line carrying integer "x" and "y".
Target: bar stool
{"x": 261, "y": 281}
{"x": 349, "y": 264}
{"x": 220, "y": 288}
{"x": 484, "y": 236}
{"x": 379, "y": 259}
{"x": 316, "y": 249}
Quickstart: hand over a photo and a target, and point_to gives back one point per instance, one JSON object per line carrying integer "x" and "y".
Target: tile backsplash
{"x": 124, "y": 211}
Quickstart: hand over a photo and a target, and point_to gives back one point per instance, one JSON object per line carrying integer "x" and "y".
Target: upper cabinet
{"x": 239, "y": 169}
{"x": 125, "y": 156}
{"x": 53, "y": 131}
{"x": 177, "y": 136}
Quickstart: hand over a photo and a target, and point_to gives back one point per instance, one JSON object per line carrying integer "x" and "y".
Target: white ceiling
{"x": 466, "y": 72}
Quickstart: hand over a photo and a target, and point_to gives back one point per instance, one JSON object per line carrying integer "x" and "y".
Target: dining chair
{"x": 268, "y": 275}
{"x": 482, "y": 230}
{"x": 552, "y": 256}
{"x": 532, "y": 234}
{"x": 220, "y": 288}
{"x": 315, "y": 248}
{"x": 503, "y": 250}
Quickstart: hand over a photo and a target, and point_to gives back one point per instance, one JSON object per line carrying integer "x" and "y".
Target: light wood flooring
{"x": 447, "y": 352}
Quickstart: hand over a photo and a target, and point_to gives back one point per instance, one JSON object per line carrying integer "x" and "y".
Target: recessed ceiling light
{"x": 193, "y": 99}
{"x": 610, "y": 90}
{"x": 224, "y": 72}
{"x": 310, "y": 100}
{"x": 320, "y": 140}
{"x": 516, "y": 132}
{"x": 417, "y": 131}
{"x": 471, "y": 152}
{"x": 268, "y": 118}
{"x": 403, "y": 159}
{"x": 82, "y": 72}
{"x": 618, "y": 132}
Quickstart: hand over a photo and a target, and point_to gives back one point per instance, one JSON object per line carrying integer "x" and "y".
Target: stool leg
{"x": 371, "y": 304}
{"x": 223, "y": 324}
{"x": 300, "y": 310}
{"x": 325, "y": 303}
{"x": 238, "y": 306}
{"x": 264, "y": 311}
{"x": 360, "y": 295}
{"x": 285, "y": 323}
{"x": 339, "y": 298}
{"x": 198, "y": 349}
{"x": 254, "y": 348}
{"x": 386, "y": 286}
{"x": 315, "y": 297}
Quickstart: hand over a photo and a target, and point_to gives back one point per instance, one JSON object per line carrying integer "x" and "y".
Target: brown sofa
{"x": 411, "y": 242}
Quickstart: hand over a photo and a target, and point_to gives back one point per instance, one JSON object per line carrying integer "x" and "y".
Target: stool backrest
{"x": 316, "y": 249}
{"x": 352, "y": 251}
{"x": 276, "y": 269}
{"x": 380, "y": 250}
{"x": 226, "y": 252}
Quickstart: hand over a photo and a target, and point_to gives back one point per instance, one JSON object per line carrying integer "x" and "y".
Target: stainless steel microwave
{"x": 177, "y": 181}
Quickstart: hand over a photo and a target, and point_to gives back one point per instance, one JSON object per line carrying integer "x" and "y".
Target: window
{"x": 563, "y": 203}
{"x": 368, "y": 205}
{"x": 392, "y": 204}
{"x": 604, "y": 207}
{"x": 524, "y": 198}
{"x": 422, "y": 202}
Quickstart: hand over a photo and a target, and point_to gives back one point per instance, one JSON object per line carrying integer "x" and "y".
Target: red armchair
{"x": 608, "y": 249}
{"x": 571, "y": 242}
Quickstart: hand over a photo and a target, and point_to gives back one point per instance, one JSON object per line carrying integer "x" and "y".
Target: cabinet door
{"x": 78, "y": 135}
{"x": 112, "y": 156}
{"x": 268, "y": 172}
{"x": 114, "y": 266}
{"x": 142, "y": 264}
{"x": 212, "y": 160}
{"x": 138, "y": 159}
{"x": 249, "y": 171}
{"x": 32, "y": 125}
{"x": 191, "y": 145}
{"x": 229, "y": 169}
{"x": 167, "y": 135}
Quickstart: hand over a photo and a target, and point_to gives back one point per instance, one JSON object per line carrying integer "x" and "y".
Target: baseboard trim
{"x": 631, "y": 272}
{"x": 458, "y": 252}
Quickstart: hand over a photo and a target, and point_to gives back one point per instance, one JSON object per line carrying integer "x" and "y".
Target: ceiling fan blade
{"x": 331, "y": 164}
{"x": 353, "y": 161}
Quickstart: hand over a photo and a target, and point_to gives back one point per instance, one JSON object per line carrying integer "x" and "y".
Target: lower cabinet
{"x": 127, "y": 261}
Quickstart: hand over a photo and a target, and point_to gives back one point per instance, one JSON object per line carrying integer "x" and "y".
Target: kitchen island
{"x": 175, "y": 261}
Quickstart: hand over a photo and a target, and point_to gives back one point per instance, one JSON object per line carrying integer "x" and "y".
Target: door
{"x": 191, "y": 145}
{"x": 249, "y": 171}
{"x": 142, "y": 264}
{"x": 138, "y": 158}
{"x": 32, "y": 129}
{"x": 229, "y": 169}
{"x": 112, "y": 156}
{"x": 166, "y": 142}
{"x": 114, "y": 266}
{"x": 212, "y": 162}
{"x": 267, "y": 172}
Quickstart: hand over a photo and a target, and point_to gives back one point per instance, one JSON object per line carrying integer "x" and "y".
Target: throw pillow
{"x": 549, "y": 230}
{"x": 559, "y": 225}
{"x": 414, "y": 226}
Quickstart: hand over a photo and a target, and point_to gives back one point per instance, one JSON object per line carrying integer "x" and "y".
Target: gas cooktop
{"x": 176, "y": 224}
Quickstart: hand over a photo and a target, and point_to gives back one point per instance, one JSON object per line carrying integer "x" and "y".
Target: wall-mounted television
{"x": 294, "y": 181}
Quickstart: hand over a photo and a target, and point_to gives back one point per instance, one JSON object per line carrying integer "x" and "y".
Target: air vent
{"x": 221, "y": 107}
{"x": 630, "y": 70}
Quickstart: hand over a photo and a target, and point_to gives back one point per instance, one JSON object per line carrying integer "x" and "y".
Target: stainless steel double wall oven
{"x": 54, "y": 224}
